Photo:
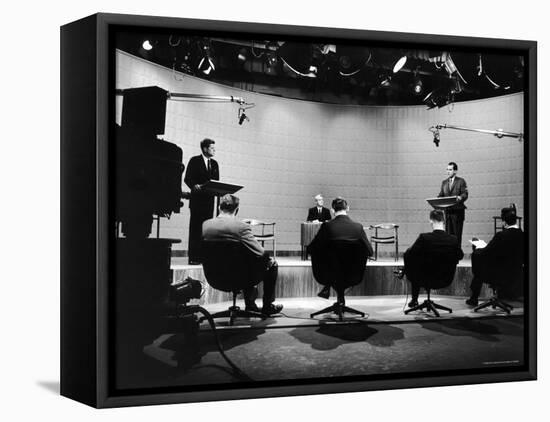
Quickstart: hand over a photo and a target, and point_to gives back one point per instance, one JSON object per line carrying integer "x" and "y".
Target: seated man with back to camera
{"x": 227, "y": 227}
{"x": 341, "y": 227}
{"x": 420, "y": 255}
{"x": 501, "y": 261}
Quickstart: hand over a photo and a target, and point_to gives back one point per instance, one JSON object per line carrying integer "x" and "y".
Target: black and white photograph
{"x": 265, "y": 214}
{"x": 303, "y": 209}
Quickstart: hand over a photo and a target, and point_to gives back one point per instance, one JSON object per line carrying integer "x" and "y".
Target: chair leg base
{"x": 495, "y": 302}
{"x": 236, "y": 312}
{"x": 430, "y": 306}
{"x": 339, "y": 309}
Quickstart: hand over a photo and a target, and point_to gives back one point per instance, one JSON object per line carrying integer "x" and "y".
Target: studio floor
{"x": 294, "y": 346}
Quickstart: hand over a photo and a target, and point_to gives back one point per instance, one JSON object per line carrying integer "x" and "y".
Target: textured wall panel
{"x": 381, "y": 159}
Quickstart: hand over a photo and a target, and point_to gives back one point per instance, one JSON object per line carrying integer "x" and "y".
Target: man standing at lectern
{"x": 201, "y": 169}
{"x": 454, "y": 215}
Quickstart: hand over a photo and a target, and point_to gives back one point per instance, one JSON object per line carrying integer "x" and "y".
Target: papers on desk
{"x": 478, "y": 243}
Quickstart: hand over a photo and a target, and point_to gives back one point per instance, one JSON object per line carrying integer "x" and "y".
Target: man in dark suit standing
{"x": 435, "y": 250}
{"x": 501, "y": 261}
{"x": 227, "y": 227}
{"x": 341, "y": 227}
{"x": 318, "y": 213}
{"x": 454, "y": 215}
{"x": 201, "y": 169}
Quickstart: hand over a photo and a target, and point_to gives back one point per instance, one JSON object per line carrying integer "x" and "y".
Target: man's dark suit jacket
{"x": 197, "y": 174}
{"x": 340, "y": 228}
{"x": 459, "y": 188}
{"x": 501, "y": 261}
{"x": 433, "y": 258}
{"x": 201, "y": 204}
{"x": 313, "y": 214}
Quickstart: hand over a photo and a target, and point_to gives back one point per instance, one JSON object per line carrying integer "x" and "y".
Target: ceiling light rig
{"x": 499, "y": 133}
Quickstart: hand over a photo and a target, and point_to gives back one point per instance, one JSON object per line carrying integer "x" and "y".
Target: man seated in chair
{"x": 319, "y": 213}
{"x": 341, "y": 227}
{"x": 500, "y": 263}
{"x": 437, "y": 244}
{"x": 227, "y": 227}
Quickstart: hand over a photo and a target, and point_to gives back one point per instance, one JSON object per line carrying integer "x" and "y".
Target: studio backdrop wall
{"x": 381, "y": 158}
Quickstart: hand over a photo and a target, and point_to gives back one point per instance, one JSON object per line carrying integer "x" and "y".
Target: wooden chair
{"x": 264, "y": 232}
{"x": 382, "y": 236}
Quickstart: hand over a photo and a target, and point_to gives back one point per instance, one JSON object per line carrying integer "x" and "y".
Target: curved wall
{"x": 381, "y": 159}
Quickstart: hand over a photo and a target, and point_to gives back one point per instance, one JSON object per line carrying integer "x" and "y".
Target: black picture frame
{"x": 86, "y": 197}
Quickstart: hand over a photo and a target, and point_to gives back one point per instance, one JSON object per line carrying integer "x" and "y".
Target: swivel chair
{"x": 340, "y": 264}
{"x": 495, "y": 303}
{"x": 231, "y": 267}
{"x": 506, "y": 280}
{"x": 432, "y": 272}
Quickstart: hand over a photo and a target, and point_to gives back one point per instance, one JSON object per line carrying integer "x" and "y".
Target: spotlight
{"x": 243, "y": 55}
{"x": 418, "y": 86}
{"x": 399, "y": 64}
{"x": 345, "y": 62}
{"x": 206, "y": 65}
{"x": 147, "y": 46}
{"x": 271, "y": 59}
{"x": 312, "y": 71}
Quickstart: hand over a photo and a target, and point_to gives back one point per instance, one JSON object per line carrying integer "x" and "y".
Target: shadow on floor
{"x": 331, "y": 336}
{"x": 51, "y": 386}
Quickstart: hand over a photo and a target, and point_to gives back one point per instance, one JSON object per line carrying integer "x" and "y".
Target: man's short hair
{"x": 508, "y": 215}
{"x": 455, "y": 167}
{"x": 229, "y": 203}
{"x": 206, "y": 142}
{"x": 339, "y": 204}
{"x": 437, "y": 215}
{"x": 318, "y": 196}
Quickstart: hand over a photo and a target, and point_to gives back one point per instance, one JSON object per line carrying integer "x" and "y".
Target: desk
{"x": 307, "y": 233}
{"x": 497, "y": 218}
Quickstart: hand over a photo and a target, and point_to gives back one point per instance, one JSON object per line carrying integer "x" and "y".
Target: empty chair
{"x": 385, "y": 233}
{"x": 230, "y": 266}
{"x": 264, "y": 232}
{"x": 339, "y": 264}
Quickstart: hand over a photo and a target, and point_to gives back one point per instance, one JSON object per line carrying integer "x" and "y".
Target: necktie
{"x": 209, "y": 167}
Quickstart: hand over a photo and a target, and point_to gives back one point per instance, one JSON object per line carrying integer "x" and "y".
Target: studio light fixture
{"x": 206, "y": 64}
{"x": 418, "y": 85}
{"x": 242, "y": 55}
{"x": 399, "y": 64}
{"x": 146, "y": 45}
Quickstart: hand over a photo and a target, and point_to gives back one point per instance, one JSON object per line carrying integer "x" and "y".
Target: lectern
{"x": 217, "y": 188}
{"x": 442, "y": 202}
